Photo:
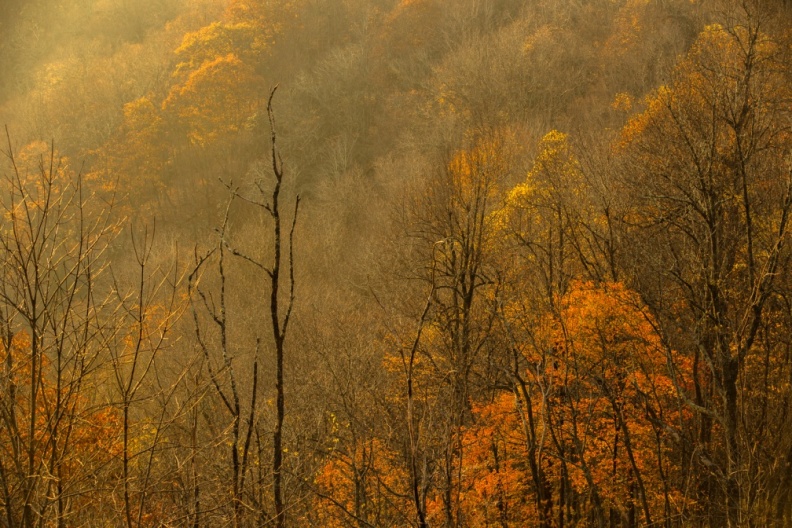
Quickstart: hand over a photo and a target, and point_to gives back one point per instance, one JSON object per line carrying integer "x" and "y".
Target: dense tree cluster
{"x": 382, "y": 263}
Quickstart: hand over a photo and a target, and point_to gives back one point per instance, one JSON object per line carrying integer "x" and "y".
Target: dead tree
{"x": 279, "y": 273}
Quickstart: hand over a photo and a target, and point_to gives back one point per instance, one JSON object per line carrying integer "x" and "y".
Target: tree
{"x": 56, "y": 439}
{"x": 147, "y": 315}
{"x": 708, "y": 167}
{"x": 580, "y": 436}
{"x": 451, "y": 220}
{"x": 279, "y": 276}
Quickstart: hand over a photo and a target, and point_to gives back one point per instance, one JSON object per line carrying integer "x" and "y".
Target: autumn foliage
{"x": 541, "y": 275}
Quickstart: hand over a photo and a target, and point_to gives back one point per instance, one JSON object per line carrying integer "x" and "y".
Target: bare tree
{"x": 279, "y": 273}
{"x": 145, "y": 318}
{"x": 52, "y": 245}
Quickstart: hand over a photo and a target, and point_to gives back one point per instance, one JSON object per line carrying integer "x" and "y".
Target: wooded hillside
{"x": 396, "y": 263}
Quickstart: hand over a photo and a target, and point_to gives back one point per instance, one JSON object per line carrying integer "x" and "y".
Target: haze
{"x": 381, "y": 263}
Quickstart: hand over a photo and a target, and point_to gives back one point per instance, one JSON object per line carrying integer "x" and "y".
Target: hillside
{"x": 383, "y": 263}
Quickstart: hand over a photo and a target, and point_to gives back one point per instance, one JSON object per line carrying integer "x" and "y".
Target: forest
{"x": 395, "y": 263}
